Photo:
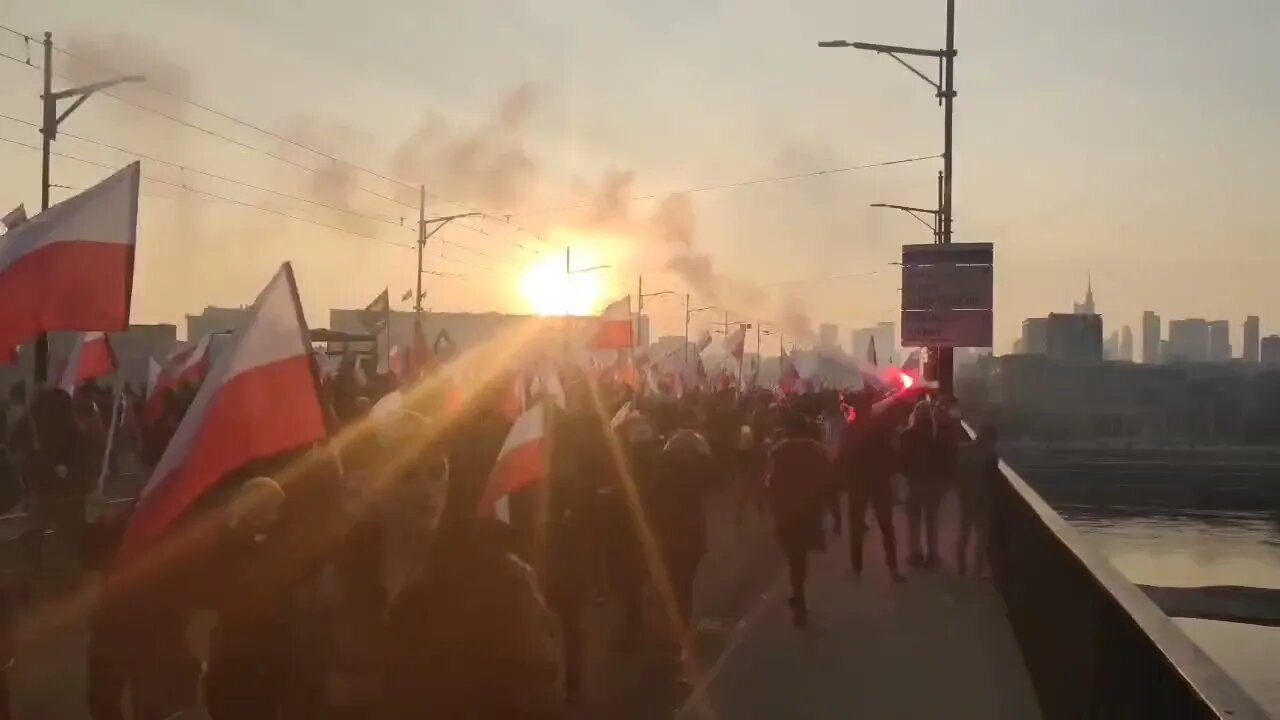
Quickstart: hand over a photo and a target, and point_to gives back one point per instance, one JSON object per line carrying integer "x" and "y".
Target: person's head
{"x": 256, "y": 507}
{"x": 795, "y": 425}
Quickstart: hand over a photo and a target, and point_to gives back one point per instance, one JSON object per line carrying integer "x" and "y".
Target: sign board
{"x": 949, "y": 254}
{"x": 946, "y": 328}
{"x": 946, "y": 287}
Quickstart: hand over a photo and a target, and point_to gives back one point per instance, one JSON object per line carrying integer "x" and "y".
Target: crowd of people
{"x": 356, "y": 579}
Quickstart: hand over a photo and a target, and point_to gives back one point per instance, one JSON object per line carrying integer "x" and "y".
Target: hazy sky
{"x": 1134, "y": 141}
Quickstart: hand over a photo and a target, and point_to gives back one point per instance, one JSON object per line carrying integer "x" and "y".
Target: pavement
{"x": 935, "y": 646}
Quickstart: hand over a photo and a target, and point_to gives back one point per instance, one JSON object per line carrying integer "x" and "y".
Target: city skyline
{"x": 715, "y": 126}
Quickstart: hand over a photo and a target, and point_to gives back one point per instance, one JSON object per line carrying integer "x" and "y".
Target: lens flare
{"x": 549, "y": 290}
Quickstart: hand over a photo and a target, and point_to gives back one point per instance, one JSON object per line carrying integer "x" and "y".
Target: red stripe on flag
{"x": 518, "y": 469}
{"x": 259, "y": 413}
{"x": 76, "y": 285}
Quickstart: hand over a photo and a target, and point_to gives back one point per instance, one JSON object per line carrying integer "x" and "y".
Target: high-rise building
{"x": 1219, "y": 341}
{"x": 1075, "y": 338}
{"x": 1035, "y": 336}
{"x": 1086, "y": 307}
{"x": 885, "y": 334}
{"x": 1269, "y": 351}
{"x": 216, "y": 320}
{"x": 1111, "y": 346}
{"x": 829, "y": 337}
{"x": 1126, "y": 344}
{"x": 1252, "y": 332}
{"x": 1188, "y": 340}
{"x": 1151, "y": 332}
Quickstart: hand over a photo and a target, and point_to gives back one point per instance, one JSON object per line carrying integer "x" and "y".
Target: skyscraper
{"x": 1269, "y": 351}
{"x": 1252, "y": 333}
{"x": 1219, "y": 341}
{"x": 1086, "y": 307}
{"x": 1151, "y": 332}
{"x": 1075, "y": 338}
{"x": 828, "y": 337}
{"x": 1126, "y": 344}
{"x": 1035, "y": 336}
{"x": 1188, "y": 341}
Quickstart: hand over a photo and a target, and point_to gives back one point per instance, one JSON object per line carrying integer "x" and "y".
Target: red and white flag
{"x": 158, "y": 385}
{"x": 614, "y": 330}
{"x": 71, "y": 266}
{"x": 91, "y": 357}
{"x": 521, "y": 462}
{"x": 704, "y": 341}
{"x": 259, "y": 400}
{"x": 190, "y": 364}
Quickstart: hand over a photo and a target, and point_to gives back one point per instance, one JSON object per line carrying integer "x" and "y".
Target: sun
{"x": 549, "y": 290}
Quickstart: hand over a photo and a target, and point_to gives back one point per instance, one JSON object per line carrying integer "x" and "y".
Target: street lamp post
{"x": 640, "y": 297}
{"x": 51, "y": 120}
{"x": 423, "y": 236}
{"x": 944, "y": 90}
{"x": 568, "y": 270}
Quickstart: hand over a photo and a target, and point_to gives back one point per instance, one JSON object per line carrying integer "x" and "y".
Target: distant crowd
{"x": 356, "y": 579}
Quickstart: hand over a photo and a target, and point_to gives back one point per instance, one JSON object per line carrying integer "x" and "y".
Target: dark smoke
{"x": 487, "y": 165}
{"x": 93, "y": 58}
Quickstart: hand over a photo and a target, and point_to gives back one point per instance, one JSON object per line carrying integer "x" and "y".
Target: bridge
{"x": 1054, "y": 632}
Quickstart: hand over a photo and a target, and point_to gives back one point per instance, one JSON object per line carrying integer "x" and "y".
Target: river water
{"x": 1157, "y": 547}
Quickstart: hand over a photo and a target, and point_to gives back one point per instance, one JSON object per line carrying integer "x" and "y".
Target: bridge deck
{"x": 936, "y": 646}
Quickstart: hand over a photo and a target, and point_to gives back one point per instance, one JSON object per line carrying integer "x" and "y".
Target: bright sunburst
{"x": 548, "y": 290}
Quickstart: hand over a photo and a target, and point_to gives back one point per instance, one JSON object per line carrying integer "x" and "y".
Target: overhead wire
{"x": 215, "y": 196}
{"x": 741, "y": 183}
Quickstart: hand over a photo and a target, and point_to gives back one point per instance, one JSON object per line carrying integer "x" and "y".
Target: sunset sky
{"x": 1134, "y": 142}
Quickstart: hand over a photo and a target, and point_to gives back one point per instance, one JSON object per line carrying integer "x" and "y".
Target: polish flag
{"x": 397, "y": 361}
{"x": 259, "y": 400}
{"x": 159, "y": 384}
{"x": 614, "y": 330}
{"x": 704, "y": 341}
{"x": 521, "y": 462}
{"x": 71, "y": 266}
{"x": 190, "y": 364}
{"x": 154, "y": 375}
{"x": 90, "y": 357}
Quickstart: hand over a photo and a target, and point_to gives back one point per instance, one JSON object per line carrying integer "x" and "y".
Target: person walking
{"x": 866, "y": 465}
{"x": 978, "y": 467}
{"x": 918, "y": 459}
{"x": 679, "y": 517}
{"x": 798, "y": 485}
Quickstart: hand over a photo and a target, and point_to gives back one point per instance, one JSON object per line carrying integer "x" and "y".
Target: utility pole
{"x": 50, "y": 120}
{"x": 942, "y": 359}
{"x": 423, "y": 237}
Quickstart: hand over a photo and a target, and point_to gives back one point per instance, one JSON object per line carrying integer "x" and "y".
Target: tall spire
{"x": 1088, "y": 296}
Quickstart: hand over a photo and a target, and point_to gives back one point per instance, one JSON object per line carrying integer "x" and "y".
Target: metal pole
{"x": 48, "y": 127}
{"x": 686, "y": 332}
{"x": 946, "y": 356}
{"x": 418, "y": 341}
{"x": 635, "y": 336}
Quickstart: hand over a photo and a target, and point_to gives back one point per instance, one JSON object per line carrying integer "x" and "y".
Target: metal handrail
{"x": 1214, "y": 690}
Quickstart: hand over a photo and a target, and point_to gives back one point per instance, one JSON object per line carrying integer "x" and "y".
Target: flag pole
{"x": 386, "y": 326}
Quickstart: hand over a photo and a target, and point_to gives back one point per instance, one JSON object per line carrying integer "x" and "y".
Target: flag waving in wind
{"x": 91, "y": 357}
{"x": 872, "y": 360}
{"x": 522, "y": 461}
{"x": 374, "y": 316}
{"x": 614, "y": 331}
{"x": 71, "y": 266}
{"x": 258, "y": 400}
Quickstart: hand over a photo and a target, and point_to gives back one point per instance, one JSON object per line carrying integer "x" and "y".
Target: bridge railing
{"x": 1094, "y": 644}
